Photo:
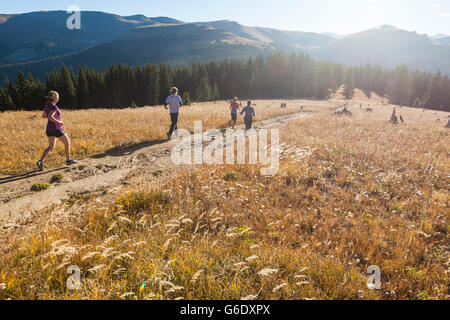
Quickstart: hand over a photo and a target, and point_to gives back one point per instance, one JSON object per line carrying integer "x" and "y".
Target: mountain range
{"x": 37, "y": 42}
{"x": 440, "y": 36}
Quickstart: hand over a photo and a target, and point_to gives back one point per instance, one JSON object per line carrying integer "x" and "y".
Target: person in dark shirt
{"x": 249, "y": 114}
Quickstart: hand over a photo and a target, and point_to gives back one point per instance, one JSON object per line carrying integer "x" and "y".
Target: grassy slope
{"x": 350, "y": 193}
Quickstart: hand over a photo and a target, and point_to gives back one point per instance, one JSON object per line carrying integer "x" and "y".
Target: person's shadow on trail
{"x": 28, "y": 175}
{"x": 128, "y": 150}
{"x": 116, "y": 152}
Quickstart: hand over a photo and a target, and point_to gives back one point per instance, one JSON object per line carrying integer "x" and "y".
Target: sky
{"x": 341, "y": 17}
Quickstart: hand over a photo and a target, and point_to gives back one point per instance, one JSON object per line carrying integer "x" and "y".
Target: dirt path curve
{"x": 18, "y": 203}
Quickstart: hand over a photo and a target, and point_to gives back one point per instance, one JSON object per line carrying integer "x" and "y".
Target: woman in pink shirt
{"x": 54, "y": 129}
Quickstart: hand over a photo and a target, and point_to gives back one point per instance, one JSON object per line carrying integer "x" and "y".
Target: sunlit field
{"x": 351, "y": 192}
{"x": 23, "y": 139}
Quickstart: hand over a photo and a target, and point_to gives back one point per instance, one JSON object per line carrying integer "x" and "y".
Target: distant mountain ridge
{"x": 444, "y": 41}
{"x": 389, "y": 46}
{"x": 333, "y": 35}
{"x": 37, "y": 42}
{"x": 386, "y": 45}
{"x": 440, "y": 36}
{"x": 274, "y": 37}
{"x": 40, "y": 35}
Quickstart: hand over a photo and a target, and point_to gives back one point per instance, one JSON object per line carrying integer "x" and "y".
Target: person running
{"x": 249, "y": 114}
{"x": 54, "y": 130}
{"x": 234, "y": 111}
{"x": 174, "y": 101}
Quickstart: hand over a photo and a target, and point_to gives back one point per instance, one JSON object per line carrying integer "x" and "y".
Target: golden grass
{"x": 350, "y": 193}
{"x": 23, "y": 140}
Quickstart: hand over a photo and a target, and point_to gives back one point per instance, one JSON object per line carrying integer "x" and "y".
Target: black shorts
{"x": 55, "y": 133}
{"x": 248, "y": 123}
{"x": 233, "y": 116}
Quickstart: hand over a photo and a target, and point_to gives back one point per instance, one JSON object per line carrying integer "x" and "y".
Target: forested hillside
{"x": 278, "y": 76}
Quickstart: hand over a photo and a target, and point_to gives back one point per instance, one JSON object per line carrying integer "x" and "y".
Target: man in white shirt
{"x": 174, "y": 101}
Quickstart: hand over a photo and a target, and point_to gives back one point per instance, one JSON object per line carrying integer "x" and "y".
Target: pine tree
{"x": 349, "y": 90}
{"x": 67, "y": 91}
{"x": 186, "y": 99}
{"x": 30, "y": 92}
{"x": 36, "y": 93}
{"x": 401, "y": 87}
{"x": 148, "y": 85}
{"x": 338, "y": 77}
{"x": 204, "y": 90}
{"x": 436, "y": 91}
{"x": 3, "y": 100}
{"x": 6, "y": 102}
{"x": 11, "y": 91}
{"x": 96, "y": 87}
{"x": 324, "y": 81}
{"x": 349, "y": 84}
{"x": 153, "y": 84}
{"x": 215, "y": 95}
{"x": 446, "y": 94}
{"x": 420, "y": 86}
{"x": 21, "y": 90}
{"x": 52, "y": 81}
{"x": 112, "y": 87}
{"x": 83, "y": 98}
{"x": 164, "y": 82}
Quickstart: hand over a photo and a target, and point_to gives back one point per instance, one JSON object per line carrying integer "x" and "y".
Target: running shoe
{"x": 71, "y": 162}
{"x": 40, "y": 165}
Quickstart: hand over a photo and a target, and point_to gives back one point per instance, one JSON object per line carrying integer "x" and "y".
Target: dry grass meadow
{"x": 350, "y": 193}
{"x": 23, "y": 139}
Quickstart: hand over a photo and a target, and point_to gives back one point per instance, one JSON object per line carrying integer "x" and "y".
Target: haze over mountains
{"x": 37, "y": 42}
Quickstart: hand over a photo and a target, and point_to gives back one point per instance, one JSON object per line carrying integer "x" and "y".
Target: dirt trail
{"x": 18, "y": 203}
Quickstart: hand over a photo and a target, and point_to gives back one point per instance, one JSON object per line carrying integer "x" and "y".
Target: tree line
{"x": 278, "y": 76}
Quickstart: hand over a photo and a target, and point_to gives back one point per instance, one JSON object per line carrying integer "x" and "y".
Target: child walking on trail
{"x": 54, "y": 130}
{"x": 174, "y": 101}
{"x": 249, "y": 114}
{"x": 234, "y": 111}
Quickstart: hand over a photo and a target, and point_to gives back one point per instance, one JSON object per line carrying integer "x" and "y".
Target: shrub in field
{"x": 56, "y": 178}
{"x": 39, "y": 187}
{"x": 186, "y": 99}
{"x": 136, "y": 202}
{"x": 231, "y": 176}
